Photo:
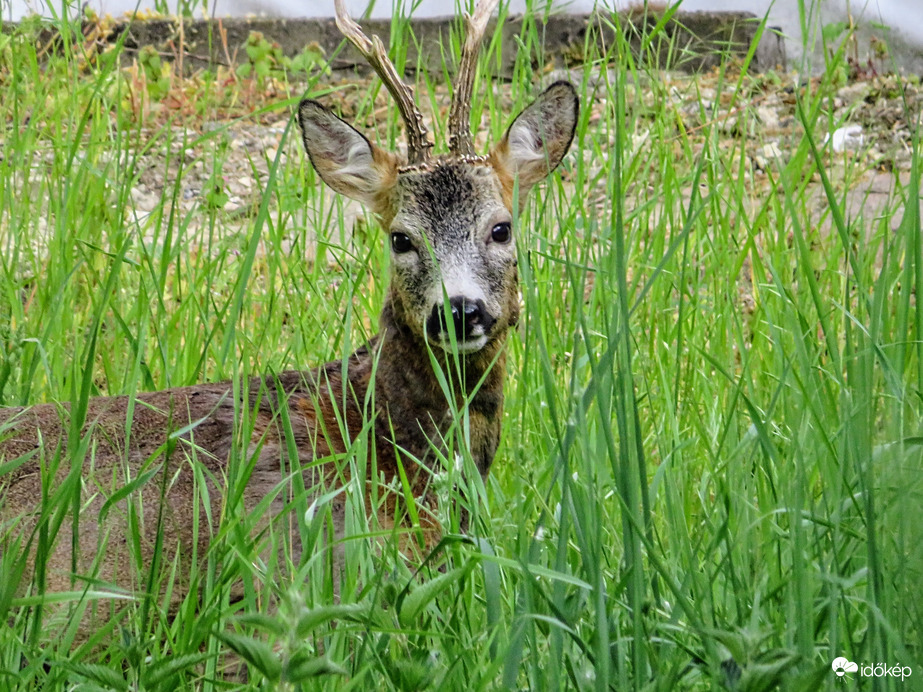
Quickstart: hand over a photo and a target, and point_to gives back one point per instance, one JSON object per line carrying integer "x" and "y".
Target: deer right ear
{"x": 344, "y": 158}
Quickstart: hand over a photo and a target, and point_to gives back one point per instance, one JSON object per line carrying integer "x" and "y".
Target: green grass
{"x": 710, "y": 476}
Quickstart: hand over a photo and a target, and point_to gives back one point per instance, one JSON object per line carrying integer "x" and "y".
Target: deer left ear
{"x": 344, "y": 158}
{"x": 540, "y": 136}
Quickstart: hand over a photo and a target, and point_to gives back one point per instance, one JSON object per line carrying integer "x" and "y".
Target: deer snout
{"x": 470, "y": 319}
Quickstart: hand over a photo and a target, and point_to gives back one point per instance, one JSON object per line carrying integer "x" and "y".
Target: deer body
{"x": 452, "y": 299}
{"x": 315, "y": 402}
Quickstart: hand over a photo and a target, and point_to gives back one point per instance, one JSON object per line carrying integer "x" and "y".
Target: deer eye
{"x": 501, "y": 233}
{"x": 400, "y": 243}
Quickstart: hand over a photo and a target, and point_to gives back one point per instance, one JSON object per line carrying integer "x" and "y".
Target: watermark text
{"x": 843, "y": 666}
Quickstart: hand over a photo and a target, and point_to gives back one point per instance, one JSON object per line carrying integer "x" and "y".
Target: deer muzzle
{"x": 467, "y": 320}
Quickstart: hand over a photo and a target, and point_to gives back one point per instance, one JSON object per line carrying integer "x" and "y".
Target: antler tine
{"x": 418, "y": 144}
{"x": 460, "y": 141}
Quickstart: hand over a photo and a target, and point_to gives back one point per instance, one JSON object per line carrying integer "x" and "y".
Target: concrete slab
{"x": 690, "y": 41}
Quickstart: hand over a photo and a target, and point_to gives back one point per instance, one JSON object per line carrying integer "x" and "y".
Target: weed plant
{"x": 710, "y": 476}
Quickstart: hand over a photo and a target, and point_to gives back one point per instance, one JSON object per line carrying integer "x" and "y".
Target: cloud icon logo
{"x": 841, "y": 666}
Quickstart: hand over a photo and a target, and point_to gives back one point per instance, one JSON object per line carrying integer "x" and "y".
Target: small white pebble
{"x": 848, "y": 137}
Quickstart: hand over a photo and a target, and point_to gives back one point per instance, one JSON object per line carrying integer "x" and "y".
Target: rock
{"x": 769, "y": 117}
{"x": 853, "y": 92}
{"x": 767, "y": 155}
{"x": 144, "y": 201}
{"x": 847, "y": 138}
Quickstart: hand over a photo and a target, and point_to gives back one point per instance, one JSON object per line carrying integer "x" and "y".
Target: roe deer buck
{"x": 453, "y": 294}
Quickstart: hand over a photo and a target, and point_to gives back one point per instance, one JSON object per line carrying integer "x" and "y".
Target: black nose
{"x": 466, "y": 316}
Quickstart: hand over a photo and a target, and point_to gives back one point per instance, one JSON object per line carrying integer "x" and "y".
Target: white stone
{"x": 847, "y": 138}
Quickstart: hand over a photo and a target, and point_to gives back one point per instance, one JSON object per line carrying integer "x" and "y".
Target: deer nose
{"x": 469, "y": 317}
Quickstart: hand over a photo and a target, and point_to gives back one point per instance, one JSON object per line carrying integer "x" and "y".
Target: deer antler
{"x": 418, "y": 144}
{"x": 460, "y": 141}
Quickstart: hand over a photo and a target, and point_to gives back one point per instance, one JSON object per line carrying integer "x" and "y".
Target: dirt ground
{"x": 872, "y": 121}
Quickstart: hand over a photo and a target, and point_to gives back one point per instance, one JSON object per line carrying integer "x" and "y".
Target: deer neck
{"x": 407, "y": 385}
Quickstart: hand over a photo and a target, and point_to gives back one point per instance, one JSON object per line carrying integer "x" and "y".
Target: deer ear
{"x": 344, "y": 159}
{"x": 540, "y": 136}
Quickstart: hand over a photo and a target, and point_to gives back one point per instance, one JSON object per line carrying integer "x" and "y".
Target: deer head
{"x": 449, "y": 218}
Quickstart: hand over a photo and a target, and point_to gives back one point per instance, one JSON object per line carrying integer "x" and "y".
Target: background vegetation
{"x": 711, "y": 471}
